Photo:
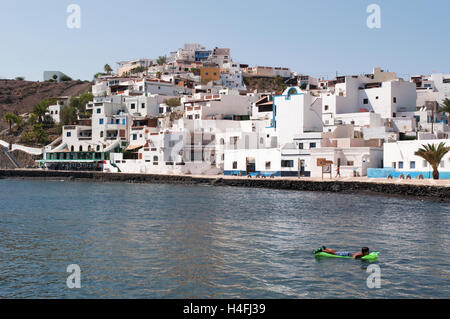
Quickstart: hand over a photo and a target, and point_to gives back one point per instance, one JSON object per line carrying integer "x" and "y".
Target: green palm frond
{"x": 445, "y": 106}
{"x": 433, "y": 154}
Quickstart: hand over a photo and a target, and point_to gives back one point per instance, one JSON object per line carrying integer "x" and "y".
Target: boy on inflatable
{"x": 364, "y": 252}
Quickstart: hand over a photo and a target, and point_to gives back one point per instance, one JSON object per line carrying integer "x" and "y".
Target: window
{"x": 155, "y": 158}
{"x": 412, "y": 164}
{"x": 300, "y": 146}
{"x": 394, "y": 165}
{"x": 442, "y": 164}
{"x": 197, "y": 116}
{"x": 366, "y": 101}
{"x": 267, "y": 165}
{"x": 69, "y": 134}
{"x": 134, "y": 137}
{"x": 395, "y": 100}
{"x": 234, "y": 165}
{"x": 133, "y": 106}
{"x": 101, "y": 133}
{"x": 326, "y": 107}
{"x": 312, "y": 145}
{"x": 350, "y": 163}
{"x": 143, "y": 105}
{"x": 99, "y": 111}
{"x": 98, "y": 148}
{"x": 376, "y": 97}
{"x": 101, "y": 121}
{"x": 287, "y": 163}
{"x": 72, "y": 149}
{"x": 400, "y": 165}
{"x": 81, "y": 148}
{"x": 425, "y": 163}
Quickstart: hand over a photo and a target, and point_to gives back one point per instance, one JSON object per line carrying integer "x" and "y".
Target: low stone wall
{"x": 421, "y": 191}
{"x": 440, "y": 193}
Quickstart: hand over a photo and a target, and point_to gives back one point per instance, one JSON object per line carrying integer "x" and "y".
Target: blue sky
{"x": 318, "y": 38}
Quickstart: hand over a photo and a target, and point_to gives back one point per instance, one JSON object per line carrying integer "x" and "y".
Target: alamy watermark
{"x": 74, "y": 19}
{"x": 374, "y": 19}
{"x": 74, "y": 279}
{"x": 374, "y": 279}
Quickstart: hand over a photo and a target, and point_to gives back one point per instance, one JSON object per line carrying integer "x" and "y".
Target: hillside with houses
{"x": 198, "y": 110}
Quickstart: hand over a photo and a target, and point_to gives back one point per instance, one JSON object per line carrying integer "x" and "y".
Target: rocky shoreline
{"x": 429, "y": 192}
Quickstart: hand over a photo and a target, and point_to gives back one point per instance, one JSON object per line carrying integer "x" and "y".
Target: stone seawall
{"x": 440, "y": 193}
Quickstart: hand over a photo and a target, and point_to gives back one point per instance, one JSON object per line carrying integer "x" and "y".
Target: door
{"x": 302, "y": 167}
{"x": 251, "y": 166}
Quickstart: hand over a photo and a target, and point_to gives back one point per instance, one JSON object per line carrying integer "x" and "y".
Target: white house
{"x": 361, "y": 95}
{"x": 217, "y": 106}
{"x": 283, "y": 148}
{"x": 399, "y": 159}
{"x": 345, "y": 149}
{"x": 55, "y": 110}
{"x": 125, "y": 67}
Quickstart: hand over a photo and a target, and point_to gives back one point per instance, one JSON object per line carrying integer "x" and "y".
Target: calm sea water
{"x": 165, "y": 241}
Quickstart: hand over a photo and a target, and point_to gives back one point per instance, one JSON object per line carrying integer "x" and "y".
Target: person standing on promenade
{"x": 338, "y": 171}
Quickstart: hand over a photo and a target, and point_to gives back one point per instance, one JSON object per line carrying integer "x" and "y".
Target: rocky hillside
{"x": 264, "y": 84}
{"x": 20, "y": 97}
{"x": 24, "y": 160}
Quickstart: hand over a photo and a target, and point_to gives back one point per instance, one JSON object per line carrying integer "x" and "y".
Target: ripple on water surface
{"x": 166, "y": 241}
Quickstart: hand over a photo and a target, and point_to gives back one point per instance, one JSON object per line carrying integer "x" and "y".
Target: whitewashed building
{"x": 345, "y": 149}
{"x": 55, "y": 110}
{"x": 399, "y": 159}
{"x": 283, "y": 147}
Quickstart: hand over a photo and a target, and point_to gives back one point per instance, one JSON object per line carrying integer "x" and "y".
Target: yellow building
{"x": 210, "y": 73}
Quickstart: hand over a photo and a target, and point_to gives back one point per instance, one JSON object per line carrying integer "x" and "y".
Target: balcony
{"x": 114, "y": 127}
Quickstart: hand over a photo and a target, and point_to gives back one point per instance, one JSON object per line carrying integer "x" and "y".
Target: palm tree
{"x": 40, "y": 110}
{"x": 433, "y": 155}
{"x": 18, "y": 121}
{"x": 10, "y": 118}
{"x": 445, "y": 107}
{"x": 161, "y": 60}
{"x": 107, "y": 69}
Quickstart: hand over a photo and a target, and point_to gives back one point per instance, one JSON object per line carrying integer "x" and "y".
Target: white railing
{"x": 26, "y": 149}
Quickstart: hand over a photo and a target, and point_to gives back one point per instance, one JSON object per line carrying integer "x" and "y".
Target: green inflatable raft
{"x": 370, "y": 257}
